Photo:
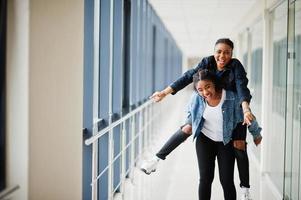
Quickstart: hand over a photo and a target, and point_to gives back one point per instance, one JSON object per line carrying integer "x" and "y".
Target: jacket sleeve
{"x": 189, "y": 106}
{"x": 255, "y": 129}
{"x": 241, "y": 82}
{"x": 187, "y": 77}
{"x": 188, "y": 119}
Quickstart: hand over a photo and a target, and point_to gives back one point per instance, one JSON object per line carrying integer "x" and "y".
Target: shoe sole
{"x": 146, "y": 172}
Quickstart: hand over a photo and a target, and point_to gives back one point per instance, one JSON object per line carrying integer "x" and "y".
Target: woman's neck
{"x": 220, "y": 68}
{"x": 216, "y": 99}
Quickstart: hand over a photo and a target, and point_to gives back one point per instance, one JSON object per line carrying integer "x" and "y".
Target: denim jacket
{"x": 233, "y": 77}
{"x": 232, "y": 115}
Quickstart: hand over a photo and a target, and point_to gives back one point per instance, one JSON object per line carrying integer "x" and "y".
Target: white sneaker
{"x": 149, "y": 166}
{"x": 245, "y": 194}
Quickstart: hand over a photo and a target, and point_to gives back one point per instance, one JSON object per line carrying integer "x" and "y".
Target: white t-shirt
{"x": 213, "y": 125}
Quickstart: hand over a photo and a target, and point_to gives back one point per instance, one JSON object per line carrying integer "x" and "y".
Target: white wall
{"x": 17, "y": 96}
{"x": 45, "y": 98}
{"x": 56, "y": 99}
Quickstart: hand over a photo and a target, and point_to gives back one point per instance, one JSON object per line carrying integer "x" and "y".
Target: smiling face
{"x": 222, "y": 55}
{"x": 206, "y": 89}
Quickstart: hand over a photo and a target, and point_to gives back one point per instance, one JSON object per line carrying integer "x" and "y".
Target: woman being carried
{"x": 232, "y": 75}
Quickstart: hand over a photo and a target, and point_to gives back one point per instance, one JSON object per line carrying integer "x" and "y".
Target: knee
{"x": 240, "y": 145}
{"x": 206, "y": 177}
{"x": 187, "y": 129}
{"x": 227, "y": 182}
{"x": 242, "y": 155}
{"x": 205, "y": 180}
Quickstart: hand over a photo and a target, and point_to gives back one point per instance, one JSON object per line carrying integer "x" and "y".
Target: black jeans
{"x": 240, "y": 133}
{"x": 207, "y": 150}
{"x": 173, "y": 142}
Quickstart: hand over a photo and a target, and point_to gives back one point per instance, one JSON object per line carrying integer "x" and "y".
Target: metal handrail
{"x": 8, "y": 191}
{"x": 93, "y": 138}
{"x": 141, "y": 111}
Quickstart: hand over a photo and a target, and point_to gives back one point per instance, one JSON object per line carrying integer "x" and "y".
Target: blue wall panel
{"x": 104, "y": 60}
{"x": 117, "y": 58}
{"x": 117, "y": 149}
{"x": 103, "y": 161}
{"x": 88, "y": 96}
{"x": 126, "y": 57}
{"x": 134, "y": 49}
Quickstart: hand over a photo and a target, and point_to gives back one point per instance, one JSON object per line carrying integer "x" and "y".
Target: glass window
{"x": 244, "y": 49}
{"x": 88, "y": 96}
{"x": 297, "y": 82}
{"x": 293, "y": 139}
{"x": 276, "y": 126}
{"x": 104, "y": 63}
{"x": 255, "y": 75}
{"x": 154, "y": 39}
{"x": 297, "y": 72}
{"x": 126, "y": 56}
{"x": 166, "y": 55}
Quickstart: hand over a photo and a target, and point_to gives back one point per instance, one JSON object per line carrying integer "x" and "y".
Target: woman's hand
{"x": 239, "y": 144}
{"x": 257, "y": 140}
{"x": 248, "y": 118}
{"x": 158, "y": 96}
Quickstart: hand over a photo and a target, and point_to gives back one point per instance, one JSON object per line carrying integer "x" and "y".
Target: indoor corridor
{"x": 76, "y": 120}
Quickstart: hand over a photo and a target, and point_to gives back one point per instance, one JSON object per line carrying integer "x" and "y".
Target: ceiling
{"x": 197, "y": 24}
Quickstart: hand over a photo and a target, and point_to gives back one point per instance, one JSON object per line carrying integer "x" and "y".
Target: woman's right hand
{"x": 158, "y": 96}
{"x": 248, "y": 118}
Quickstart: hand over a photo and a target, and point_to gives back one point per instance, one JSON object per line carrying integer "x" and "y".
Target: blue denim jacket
{"x": 233, "y": 77}
{"x": 232, "y": 115}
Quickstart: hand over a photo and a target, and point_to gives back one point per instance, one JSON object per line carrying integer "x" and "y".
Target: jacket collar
{"x": 214, "y": 66}
{"x": 230, "y": 95}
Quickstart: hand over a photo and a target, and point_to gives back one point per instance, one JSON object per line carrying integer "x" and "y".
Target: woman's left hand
{"x": 257, "y": 141}
{"x": 248, "y": 118}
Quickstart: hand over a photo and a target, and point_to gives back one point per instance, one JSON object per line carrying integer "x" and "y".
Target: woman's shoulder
{"x": 230, "y": 94}
{"x": 235, "y": 60}
{"x": 206, "y": 62}
{"x": 235, "y": 63}
{"x": 209, "y": 59}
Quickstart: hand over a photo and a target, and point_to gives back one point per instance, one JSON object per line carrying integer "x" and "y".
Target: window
{"x": 2, "y": 92}
{"x": 126, "y": 56}
{"x": 244, "y": 47}
{"x": 154, "y": 38}
{"x": 277, "y": 116}
{"x": 255, "y": 77}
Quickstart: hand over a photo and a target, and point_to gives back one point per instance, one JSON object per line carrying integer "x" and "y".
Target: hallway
{"x": 76, "y": 120}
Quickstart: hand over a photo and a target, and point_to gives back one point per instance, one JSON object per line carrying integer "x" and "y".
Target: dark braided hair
{"x": 226, "y": 41}
{"x": 205, "y": 74}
